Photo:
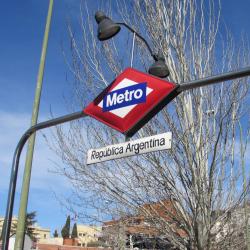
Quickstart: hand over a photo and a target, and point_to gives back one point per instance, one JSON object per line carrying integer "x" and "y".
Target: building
{"x": 13, "y": 225}
{"x": 88, "y": 237}
{"x": 143, "y": 230}
{"x": 39, "y": 232}
{"x": 232, "y": 227}
{"x": 87, "y": 234}
{"x": 57, "y": 247}
{"x": 28, "y": 243}
{"x": 52, "y": 241}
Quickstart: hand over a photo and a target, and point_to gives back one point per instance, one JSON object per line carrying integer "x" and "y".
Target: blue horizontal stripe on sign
{"x": 125, "y": 97}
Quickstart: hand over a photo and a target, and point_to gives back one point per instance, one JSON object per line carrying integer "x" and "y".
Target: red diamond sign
{"x": 131, "y": 100}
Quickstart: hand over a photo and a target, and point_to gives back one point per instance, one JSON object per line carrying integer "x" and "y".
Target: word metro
{"x": 125, "y": 97}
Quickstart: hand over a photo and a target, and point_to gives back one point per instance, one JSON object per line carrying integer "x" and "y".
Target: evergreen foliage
{"x": 30, "y": 221}
{"x": 55, "y": 234}
{"x": 74, "y": 233}
{"x": 66, "y": 229}
{"x": 2, "y": 233}
{"x": 29, "y": 229}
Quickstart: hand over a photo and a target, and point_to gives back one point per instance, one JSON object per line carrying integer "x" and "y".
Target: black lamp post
{"x": 107, "y": 29}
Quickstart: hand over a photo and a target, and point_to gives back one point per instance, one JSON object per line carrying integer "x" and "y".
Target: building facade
{"x": 144, "y": 230}
{"x": 87, "y": 234}
{"x": 39, "y": 232}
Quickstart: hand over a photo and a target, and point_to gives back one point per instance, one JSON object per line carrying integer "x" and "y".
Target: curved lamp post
{"x": 108, "y": 29}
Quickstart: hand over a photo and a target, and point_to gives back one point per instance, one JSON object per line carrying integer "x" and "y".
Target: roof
{"x": 64, "y": 247}
{"x": 140, "y": 224}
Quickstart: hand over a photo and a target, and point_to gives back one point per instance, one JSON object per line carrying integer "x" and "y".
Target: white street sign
{"x": 130, "y": 148}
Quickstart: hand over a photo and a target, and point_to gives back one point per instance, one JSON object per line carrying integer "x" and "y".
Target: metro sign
{"x": 131, "y": 100}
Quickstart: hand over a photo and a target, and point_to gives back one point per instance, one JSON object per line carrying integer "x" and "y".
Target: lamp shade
{"x": 106, "y": 27}
{"x": 159, "y": 69}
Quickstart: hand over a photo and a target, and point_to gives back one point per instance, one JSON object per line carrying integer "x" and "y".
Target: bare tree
{"x": 202, "y": 174}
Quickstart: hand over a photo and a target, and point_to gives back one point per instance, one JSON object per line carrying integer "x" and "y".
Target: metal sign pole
{"x": 15, "y": 164}
{"x": 20, "y": 231}
{"x": 214, "y": 79}
{"x": 12, "y": 186}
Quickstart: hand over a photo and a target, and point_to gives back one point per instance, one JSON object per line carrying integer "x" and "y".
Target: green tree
{"x": 1, "y": 235}
{"x": 55, "y": 234}
{"x": 66, "y": 229}
{"x": 74, "y": 233}
{"x": 29, "y": 226}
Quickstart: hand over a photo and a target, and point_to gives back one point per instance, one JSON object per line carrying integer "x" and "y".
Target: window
{"x": 44, "y": 236}
{"x": 81, "y": 234}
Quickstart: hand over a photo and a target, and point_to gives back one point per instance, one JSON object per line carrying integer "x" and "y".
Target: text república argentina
{"x": 126, "y": 149}
{"x": 129, "y": 148}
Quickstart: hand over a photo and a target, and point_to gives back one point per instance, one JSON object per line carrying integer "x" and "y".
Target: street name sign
{"x": 130, "y": 148}
{"x": 131, "y": 100}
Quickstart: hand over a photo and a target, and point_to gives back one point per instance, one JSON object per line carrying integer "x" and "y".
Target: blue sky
{"x": 22, "y": 27}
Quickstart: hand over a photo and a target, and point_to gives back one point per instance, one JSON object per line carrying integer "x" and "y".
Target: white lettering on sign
{"x": 122, "y": 111}
{"x": 123, "y": 97}
{"x": 136, "y": 147}
{"x": 138, "y": 94}
{"x": 111, "y": 100}
{"x": 127, "y": 96}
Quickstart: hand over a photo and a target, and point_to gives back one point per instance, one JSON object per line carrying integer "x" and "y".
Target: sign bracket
{"x": 53, "y": 122}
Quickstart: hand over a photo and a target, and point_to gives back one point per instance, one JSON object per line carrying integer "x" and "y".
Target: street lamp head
{"x": 106, "y": 27}
{"x": 159, "y": 68}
